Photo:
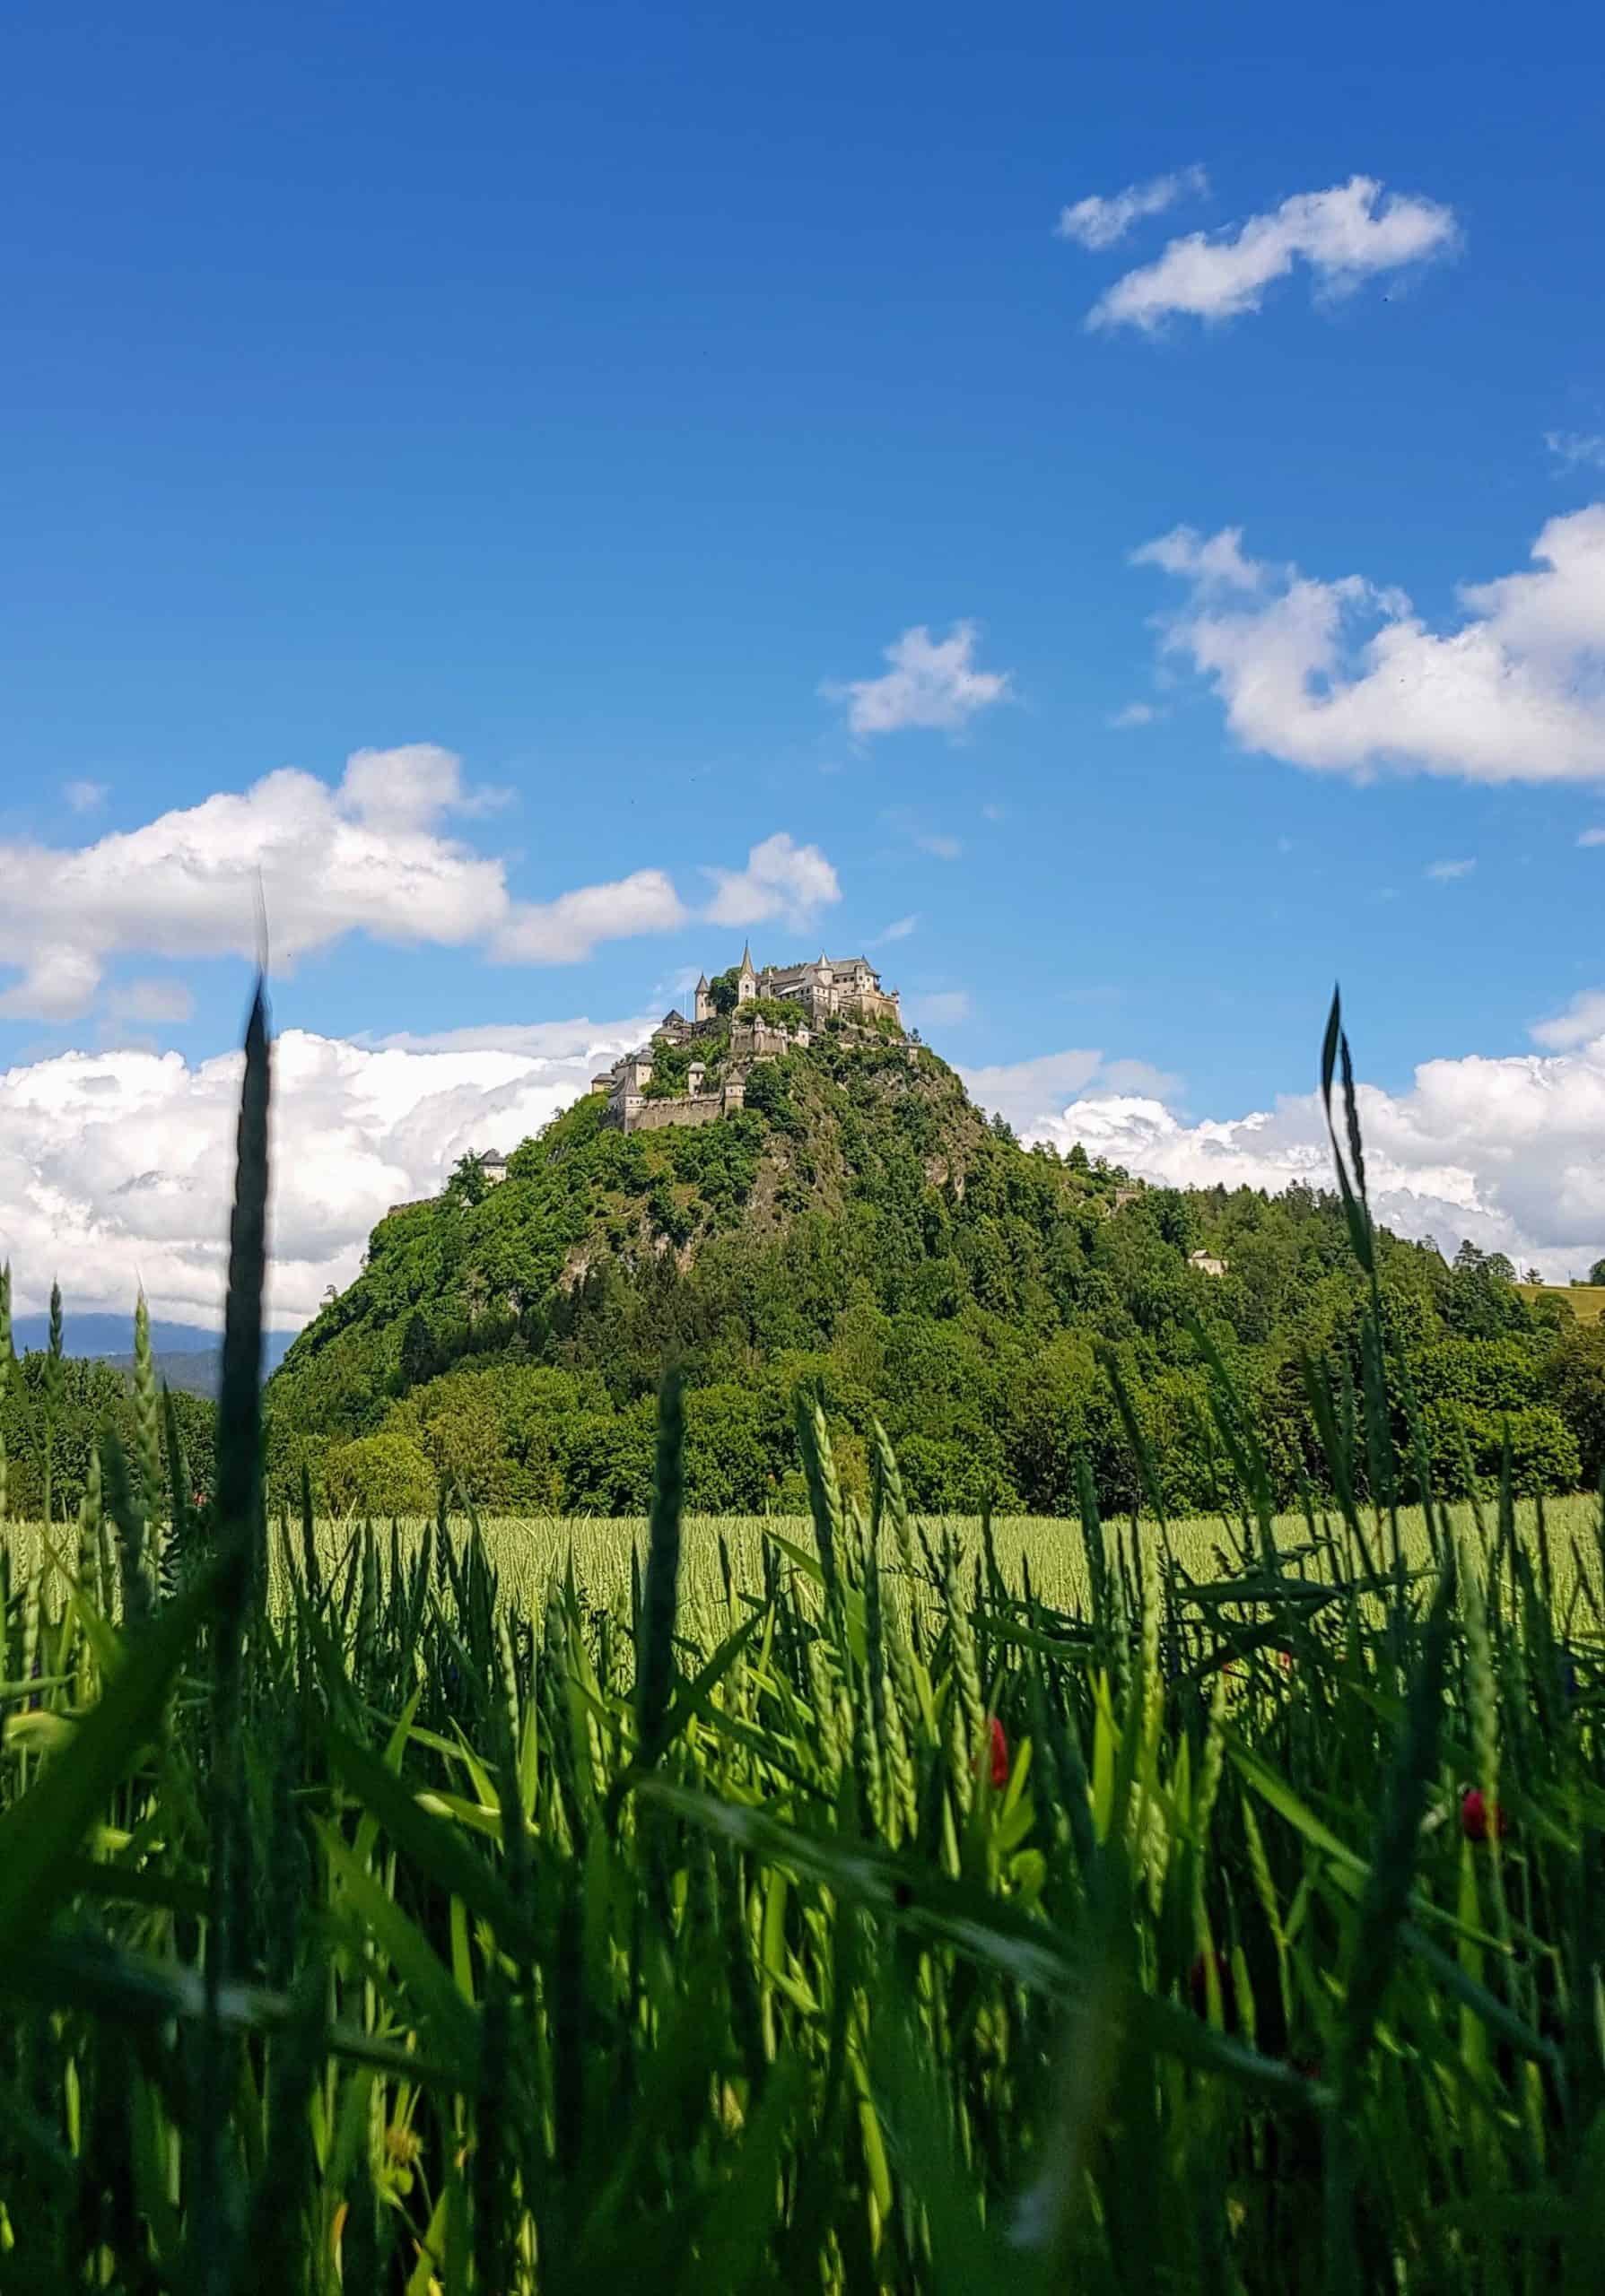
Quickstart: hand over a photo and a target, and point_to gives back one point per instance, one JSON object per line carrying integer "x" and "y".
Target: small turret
{"x": 746, "y": 979}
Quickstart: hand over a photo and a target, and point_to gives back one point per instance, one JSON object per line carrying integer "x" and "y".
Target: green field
{"x": 880, "y": 1906}
{"x": 528, "y": 1554}
{"x": 1585, "y": 1301}
{"x": 690, "y": 1932}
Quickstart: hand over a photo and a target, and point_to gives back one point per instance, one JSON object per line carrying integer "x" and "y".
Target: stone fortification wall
{"x": 703, "y": 1107}
{"x": 761, "y": 1040}
{"x": 655, "y": 1116}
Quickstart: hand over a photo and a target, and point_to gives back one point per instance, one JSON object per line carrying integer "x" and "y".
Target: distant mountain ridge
{"x": 186, "y": 1353}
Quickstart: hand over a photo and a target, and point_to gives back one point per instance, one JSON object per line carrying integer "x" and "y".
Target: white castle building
{"x": 846, "y": 990}
{"x": 830, "y": 989}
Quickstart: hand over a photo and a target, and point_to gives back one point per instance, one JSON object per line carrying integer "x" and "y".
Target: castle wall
{"x": 761, "y": 1040}
{"x": 657, "y": 1115}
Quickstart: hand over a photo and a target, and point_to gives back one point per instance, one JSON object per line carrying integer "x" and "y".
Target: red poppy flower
{"x": 1475, "y": 1813}
{"x": 1000, "y": 1756}
{"x": 1285, "y": 1660}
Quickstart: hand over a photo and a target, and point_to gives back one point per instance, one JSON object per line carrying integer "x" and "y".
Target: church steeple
{"x": 746, "y": 956}
{"x": 746, "y": 979}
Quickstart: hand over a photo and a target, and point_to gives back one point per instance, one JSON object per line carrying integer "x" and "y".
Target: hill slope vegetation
{"x": 863, "y": 1230}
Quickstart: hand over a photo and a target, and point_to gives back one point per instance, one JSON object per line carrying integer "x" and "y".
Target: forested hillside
{"x": 862, "y": 1227}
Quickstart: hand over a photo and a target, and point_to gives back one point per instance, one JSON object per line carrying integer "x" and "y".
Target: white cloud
{"x": 1099, "y": 223}
{"x": 899, "y": 930}
{"x": 1343, "y": 235}
{"x": 561, "y": 931}
{"x": 1030, "y": 1092}
{"x": 1582, "y": 1020}
{"x": 1508, "y": 1151}
{"x": 85, "y": 797}
{"x": 1445, "y": 872}
{"x": 1135, "y": 713}
{"x": 1593, "y": 837}
{"x": 116, "y": 1168}
{"x": 1572, "y": 448}
{"x": 1516, "y": 692}
{"x": 372, "y": 854}
{"x": 932, "y": 682}
{"x": 1215, "y": 562}
{"x": 780, "y": 879}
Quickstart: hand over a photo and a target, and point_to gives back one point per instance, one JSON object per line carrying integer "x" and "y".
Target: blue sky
{"x": 597, "y": 394}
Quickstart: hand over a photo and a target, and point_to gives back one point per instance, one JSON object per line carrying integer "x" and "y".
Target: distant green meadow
{"x": 1044, "y": 1553}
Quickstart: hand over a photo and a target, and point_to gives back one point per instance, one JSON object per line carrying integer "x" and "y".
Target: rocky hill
{"x": 860, "y": 1227}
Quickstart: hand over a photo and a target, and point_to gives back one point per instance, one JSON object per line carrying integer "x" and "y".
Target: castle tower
{"x": 704, "y": 1009}
{"x": 746, "y": 979}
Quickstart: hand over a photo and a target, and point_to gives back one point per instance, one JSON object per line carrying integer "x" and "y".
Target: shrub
{"x": 379, "y": 1475}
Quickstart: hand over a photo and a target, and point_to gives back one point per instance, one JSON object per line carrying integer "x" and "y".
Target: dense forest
{"x": 863, "y": 1231}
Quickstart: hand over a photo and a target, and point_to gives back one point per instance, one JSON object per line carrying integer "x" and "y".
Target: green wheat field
{"x": 868, "y": 1903}
{"x": 1043, "y": 1554}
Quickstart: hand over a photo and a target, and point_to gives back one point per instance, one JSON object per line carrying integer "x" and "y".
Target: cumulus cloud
{"x": 933, "y": 682}
{"x": 1445, "y": 872}
{"x": 116, "y": 1167}
{"x": 780, "y": 879}
{"x": 372, "y": 854}
{"x": 1593, "y": 837}
{"x": 1135, "y": 713}
{"x": 85, "y": 797}
{"x": 1343, "y": 235}
{"x": 1345, "y": 676}
{"x": 1580, "y": 1023}
{"x": 1030, "y": 1093}
{"x": 1509, "y": 1151}
{"x": 561, "y": 931}
{"x": 1097, "y": 223}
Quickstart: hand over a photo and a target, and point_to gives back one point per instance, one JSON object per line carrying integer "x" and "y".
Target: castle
{"x": 830, "y": 989}
{"x": 845, "y": 990}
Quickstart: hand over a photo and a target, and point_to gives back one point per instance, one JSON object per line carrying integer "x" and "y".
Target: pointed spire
{"x": 746, "y": 956}
{"x": 702, "y": 983}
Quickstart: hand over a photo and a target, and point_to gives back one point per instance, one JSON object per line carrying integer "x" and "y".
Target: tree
{"x": 380, "y": 1475}
{"x": 419, "y": 1356}
{"x": 1575, "y": 1383}
{"x": 463, "y": 1434}
{"x": 1596, "y": 1274}
{"x": 723, "y": 991}
{"x": 467, "y": 1183}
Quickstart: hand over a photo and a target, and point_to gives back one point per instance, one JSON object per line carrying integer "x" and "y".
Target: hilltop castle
{"x": 830, "y": 989}
{"x": 845, "y": 990}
